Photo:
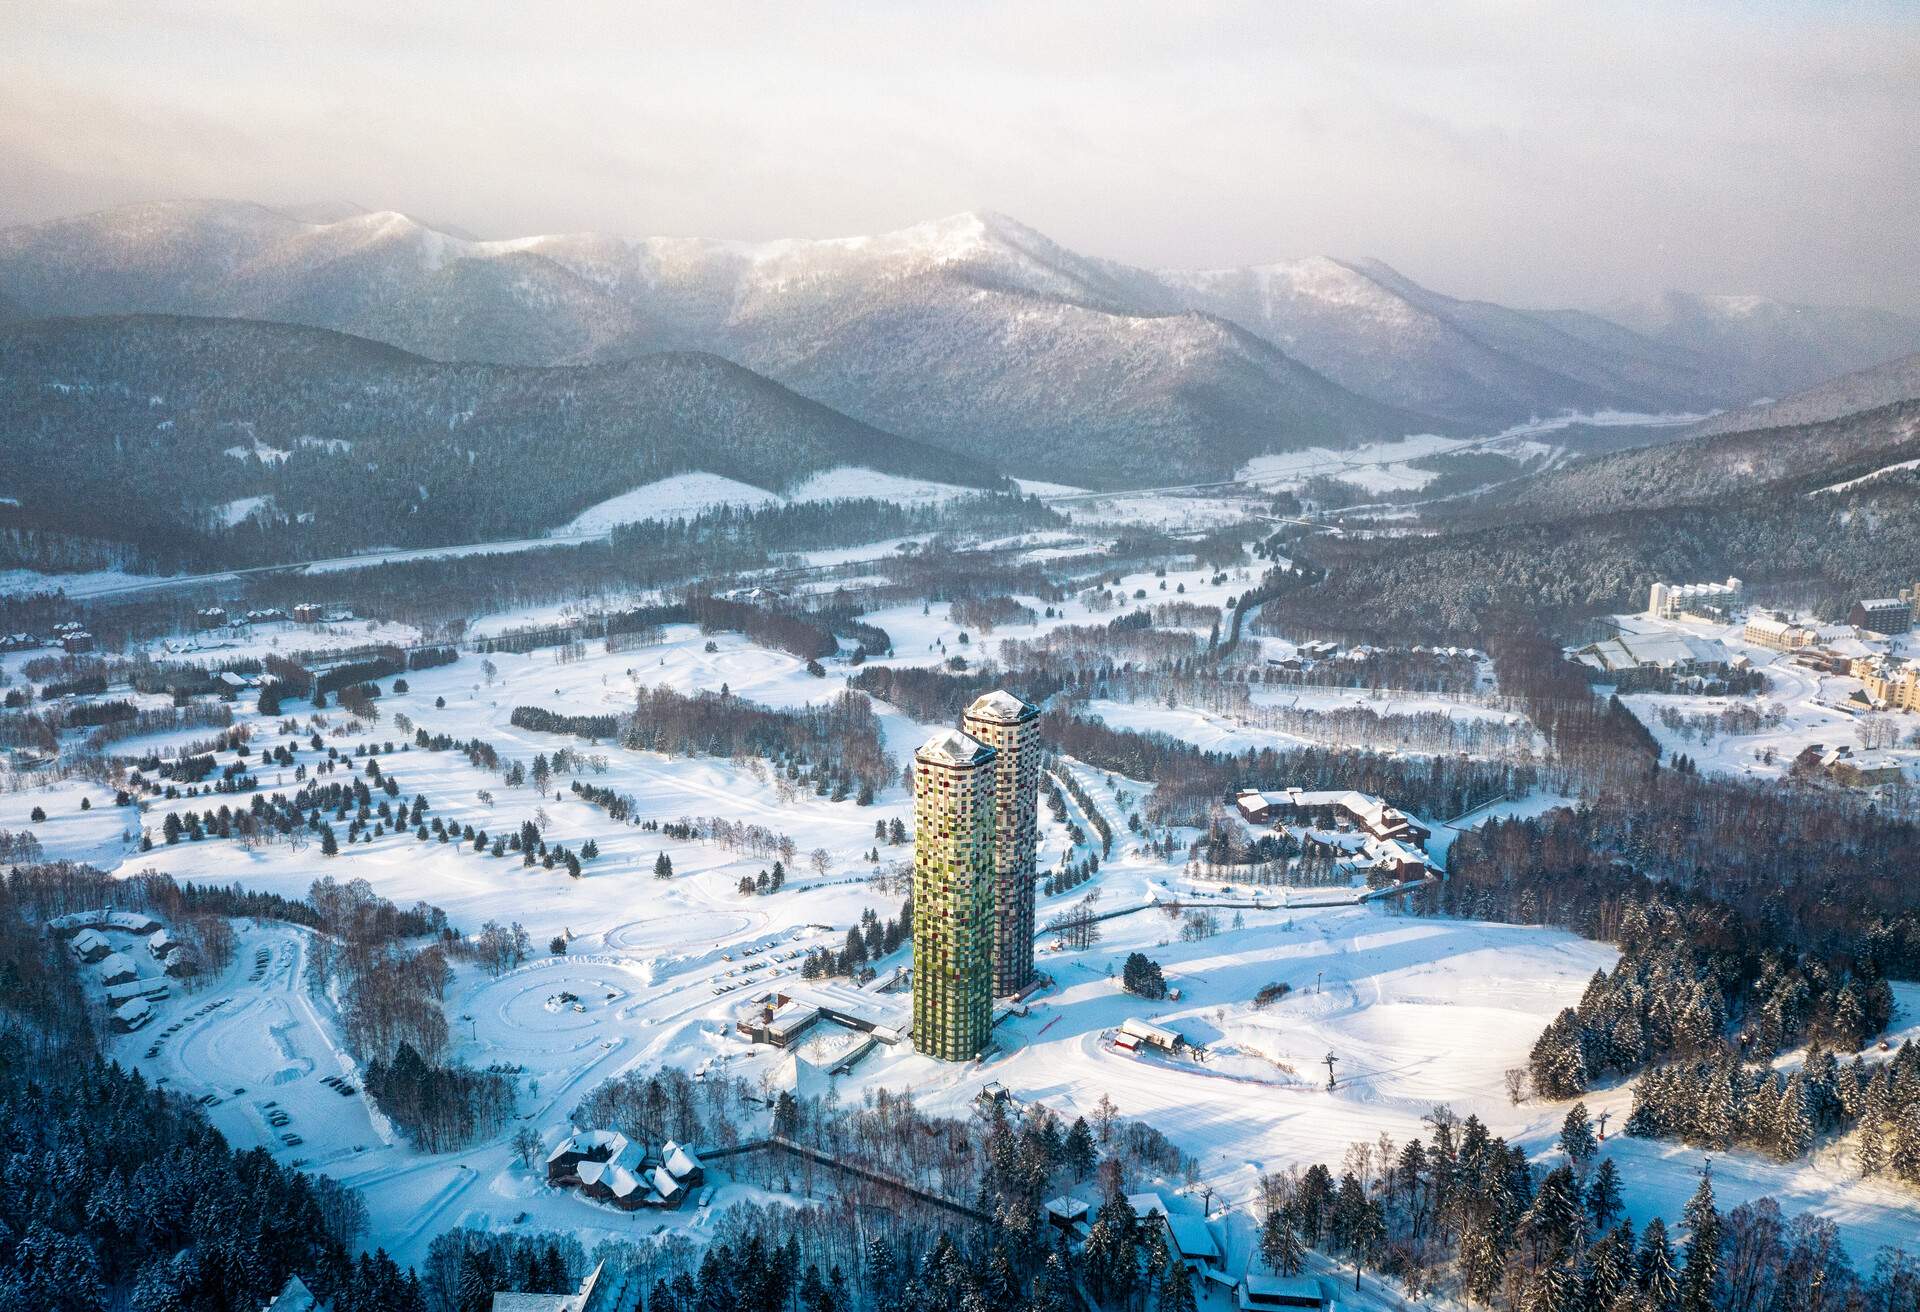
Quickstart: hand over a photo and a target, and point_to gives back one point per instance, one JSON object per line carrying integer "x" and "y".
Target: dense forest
{"x": 1478, "y": 579}
{"x": 352, "y": 443}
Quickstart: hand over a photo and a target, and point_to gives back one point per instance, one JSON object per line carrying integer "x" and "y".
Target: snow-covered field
{"x": 1382, "y": 467}
{"x": 1218, "y": 732}
{"x": 1375, "y": 467}
{"x": 686, "y": 495}
{"x": 1416, "y": 1012}
{"x": 1172, "y": 512}
{"x": 89, "y": 583}
{"x": 1881, "y": 472}
{"x": 682, "y": 496}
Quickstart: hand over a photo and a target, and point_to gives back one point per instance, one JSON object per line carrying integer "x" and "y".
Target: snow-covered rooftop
{"x": 951, "y": 747}
{"x": 1001, "y": 707}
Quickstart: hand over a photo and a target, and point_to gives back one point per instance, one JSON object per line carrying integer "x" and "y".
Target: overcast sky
{"x": 1532, "y": 154}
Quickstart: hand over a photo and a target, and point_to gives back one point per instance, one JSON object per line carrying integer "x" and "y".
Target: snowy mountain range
{"x": 972, "y": 333}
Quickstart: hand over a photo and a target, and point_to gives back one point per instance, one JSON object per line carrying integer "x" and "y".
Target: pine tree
{"x": 1280, "y": 1244}
{"x": 883, "y": 1271}
{"x": 1554, "y": 1288}
{"x": 1556, "y": 1215}
{"x": 1792, "y": 1122}
{"x": 1557, "y": 1061}
{"x": 1077, "y": 1153}
{"x": 1176, "y": 1289}
{"x": 663, "y": 867}
{"x": 1715, "y": 1114}
{"x": 1111, "y": 1256}
{"x": 1903, "y": 1151}
{"x": 1703, "y": 1248}
{"x": 1875, "y": 1106}
{"x": 1609, "y": 1267}
{"x": 1052, "y": 1289}
{"x": 1657, "y": 1276}
{"x": 1576, "y": 1136}
{"x": 1603, "y": 1194}
{"x": 1479, "y": 1261}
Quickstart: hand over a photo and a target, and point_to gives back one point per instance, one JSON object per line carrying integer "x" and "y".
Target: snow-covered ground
{"x": 1172, "y": 512}
{"x": 686, "y": 495}
{"x": 280, "y": 637}
{"x": 1374, "y": 467}
{"x": 1865, "y": 478}
{"x": 680, "y": 497}
{"x": 233, "y": 512}
{"x": 1382, "y": 467}
{"x": 1416, "y": 1012}
{"x": 1219, "y": 732}
{"x": 86, "y": 584}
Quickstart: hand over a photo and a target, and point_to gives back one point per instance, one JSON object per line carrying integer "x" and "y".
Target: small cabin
{"x": 1262, "y": 1291}
{"x": 1065, "y": 1214}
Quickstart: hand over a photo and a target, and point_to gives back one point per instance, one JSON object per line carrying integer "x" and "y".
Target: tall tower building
{"x": 1012, "y": 728}
{"x": 953, "y": 811}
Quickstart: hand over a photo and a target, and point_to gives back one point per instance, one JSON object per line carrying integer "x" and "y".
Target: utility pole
{"x": 1331, "y": 1059}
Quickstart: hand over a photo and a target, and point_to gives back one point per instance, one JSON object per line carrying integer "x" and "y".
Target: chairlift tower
{"x": 1331, "y": 1059}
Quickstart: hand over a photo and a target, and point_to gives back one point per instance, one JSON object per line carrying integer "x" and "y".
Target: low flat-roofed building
{"x": 1389, "y": 858}
{"x": 617, "y": 1290}
{"x": 1263, "y": 1291}
{"x": 1633, "y": 661}
{"x": 1147, "y": 1032}
{"x": 1147, "y": 1206}
{"x": 1192, "y": 1239}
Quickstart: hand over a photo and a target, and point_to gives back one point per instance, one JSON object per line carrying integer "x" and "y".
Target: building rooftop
{"x": 1146, "y": 1205}
{"x": 294, "y": 1296}
{"x": 1635, "y": 651}
{"x": 951, "y": 747}
{"x": 1281, "y": 1287}
{"x": 1001, "y": 707}
{"x": 1192, "y": 1237}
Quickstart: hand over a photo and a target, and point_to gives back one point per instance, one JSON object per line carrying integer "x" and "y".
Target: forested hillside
{"x": 1710, "y": 469}
{"x": 160, "y": 433}
{"x": 1868, "y": 389}
{"x": 1599, "y": 553}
